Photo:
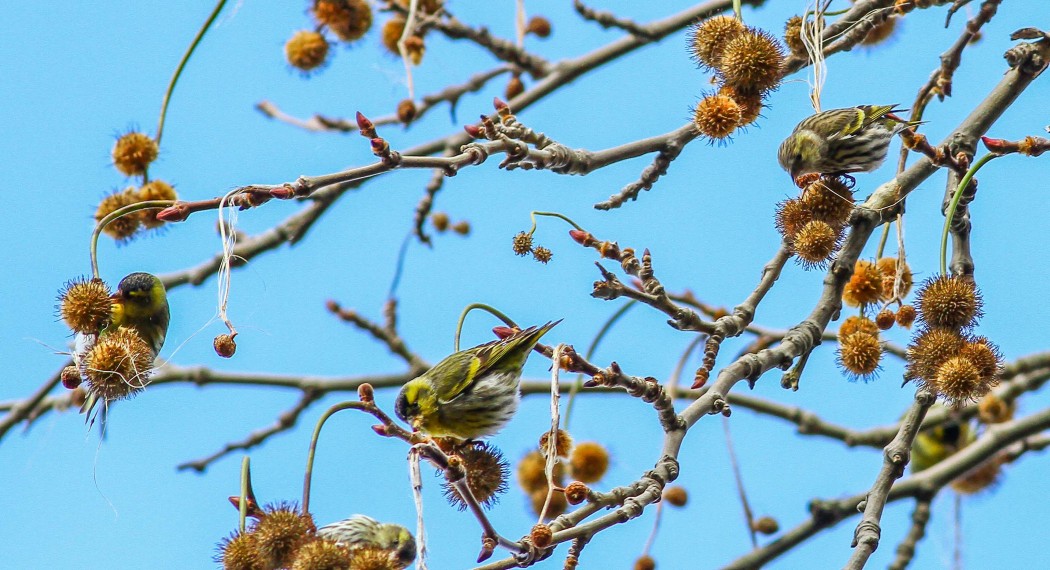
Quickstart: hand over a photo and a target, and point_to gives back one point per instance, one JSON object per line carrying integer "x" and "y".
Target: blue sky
{"x": 73, "y": 80}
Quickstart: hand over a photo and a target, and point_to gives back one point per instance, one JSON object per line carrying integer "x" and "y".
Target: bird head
{"x": 800, "y": 153}
{"x": 138, "y": 296}
{"x": 408, "y": 401}
{"x": 399, "y": 541}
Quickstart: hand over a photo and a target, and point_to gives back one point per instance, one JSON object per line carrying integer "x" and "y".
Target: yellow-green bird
{"x": 937, "y": 444}
{"x": 362, "y": 532}
{"x": 141, "y": 304}
{"x": 839, "y": 141}
{"x": 472, "y": 393}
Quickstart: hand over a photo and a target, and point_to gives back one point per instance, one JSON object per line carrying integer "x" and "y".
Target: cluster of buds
{"x": 747, "y": 63}
{"x": 944, "y": 356}
{"x": 814, "y": 223}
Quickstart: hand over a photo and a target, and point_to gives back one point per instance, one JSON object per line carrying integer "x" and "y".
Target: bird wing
{"x": 841, "y": 123}
{"x": 462, "y": 369}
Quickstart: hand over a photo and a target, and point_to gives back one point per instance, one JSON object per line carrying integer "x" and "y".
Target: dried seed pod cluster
{"x": 585, "y": 461}
{"x": 132, "y": 224}
{"x": 860, "y": 350}
{"x": 487, "y": 472}
{"x": 813, "y": 224}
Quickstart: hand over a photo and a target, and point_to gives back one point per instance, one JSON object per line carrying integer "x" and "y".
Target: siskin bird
{"x": 937, "y": 444}
{"x": 840, "y": 141}
{"x": 472, "y": 393}
{"x": 360, "y": 532}
{"x": 141, "y": 304}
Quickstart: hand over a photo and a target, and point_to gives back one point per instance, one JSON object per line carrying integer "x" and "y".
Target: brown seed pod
{"x": 885, "y": 319}
{"x": 791, "y": 216}
{"x": 461, "y": 227}
{"x": 522, "y": 243}
{"x": 557, "y": 506}
{"x": 793, "y": 36}
{"x": 85, "y": 305}
{"x": 645, "y": 562}
{"x": 225, "y": 345}
{"x": 717, "y": 116}
{"x": 306, "y": 50}
{"x": 983, "y": 477}
{"x": 928, "y": 350}
{"x": 948, "y": 301}
{"x": 541, "y": 535}
{"x": 906, "y": 316}
{"x": 281, "y": 532}
{"x": 857, "y": 323}
{"x": 589, "y": 461}
{"x": 123, "y": 228}
{"x": 986, "y": 356}
{"x": 406, "y": 111}
{"x": 750, "y": 103}
{"x": 538, "y": 26}
{"x": 70, "y": 377}
{"x": 542, "y": 254}
{"x": 859, "y": 355}
{"x": 880, "y": 33}
{"x": 888, "y": 269}
{"x": 154, "y": 190}
{"x": 766, "y": 525}
{"x": 576, "y": 492}
{"x": 392, "y": 31}
{"x": 239, "y": 552}
{"x": 349, "y": 20}
{"x": 864, "y": 286}
{"x": 514, "y": 87}
{"x": 752, "y": 62}
{"x": 676, "y": 496}
{"x": 959, "y": 381}
{"x": 487, "y": 473}
{"x": 531, "y": 475}
{"x": 118, "y": 365}
{"x": 415, "y": 47}
{"x": 439, "y": 220}
{"x": 134, "y": 152}
{"x": 829, "y": 199}
{"x": 815, "y": 243}
{"x": 327, "y": 555}
{"x": 994, "y": 410}
{"x": 708, "y": 39}
{"x": 562, "y": 443}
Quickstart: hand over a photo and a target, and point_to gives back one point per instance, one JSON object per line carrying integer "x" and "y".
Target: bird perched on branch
{"x": 840, "y": 141}
{"x": 141, "y": 304}
{"x": 360, "y": 533}
{"x": 472, "y": 393}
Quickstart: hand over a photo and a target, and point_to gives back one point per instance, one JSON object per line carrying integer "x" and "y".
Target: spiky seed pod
{"x": 373, "y": 558}
{"x": 766, "y": 525}
{"x": 717, "y": 116}
{"x": 708, "y": 39}
{"x": 124, "y": 227}
{"x": 541, "y": 535}
{"x": 994, "y": 410}
{"x": 880, "y": 33}
{"x": 349, "y": 20}
{"x": 791, "y": 215}
{"x": 425, "y": 6}
{"x": 676, "y": 496}
{"x": 928, "y": 350}
{"x": 514, "y": 87}
{"x": 225, "y": 345}
{"x": 751, "y": 62}
{"x": 793, "y": 36}
{"x": 750, "y": 103}
{"x": 522, "y": 243}
{"x": 85, "y": 305}
{"x": 557, "y": 506}
{"x": 906, "y": 316}
{"x": 134, "y": 152}
{"x": 439, "y": 220}
{"x": 70, "y": 377}
{"x": 321, "y": 555}
{"x": 118, "y": 365}
{"x": 542, "y": 254}
{"x": 985, "y": 356}
{"x": 888, "y": 268}
{"x": 415, "y": 47}
{"x": 531, "y": 475}
{"x": 538, "y": 26}
{"x": 154, "y": 190}
{"x": 487, "y": 473}
{"x": 948, "y": 301}
{"x": 864, "y": 286}
{"x": 859, "y": 355}
{"x": 857, "y": 323}
{"x": 576, "y": 492}
{"x": 589, "y": 461}
{"x": 830, "y": 200}
{"x": 645, "y": 562}
{"x": 461, "y": 227}
{"x": 983, "y": 477}
{"x": 562, "y": 443}
{"x": 815, "y": 243}
{"x": 391, "y": 34}
{"x": 885, "y": 319}
{"x": 306, "y": 50}
{"x": 406, "y": 111}
{"x": 959, "y": 381}
{"x": 281, "y": 532}
{"x": 239, "y": 552}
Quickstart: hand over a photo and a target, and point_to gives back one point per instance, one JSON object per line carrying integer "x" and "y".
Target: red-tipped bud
{"x": 581, "y": 237}
{"x": 502, "y": 332}
{"x": 499, "y": 104}
{"x": 366, "y": 393}
{"x": 367, "y": 128}
{"x": 381, "y": 429}
{"x": 177, "y": 213}
{"x": 283, "y": 193}
{"x": 473, "y": 130}
{"x": 998, "y": 146}
{"x": 380, "y": 146}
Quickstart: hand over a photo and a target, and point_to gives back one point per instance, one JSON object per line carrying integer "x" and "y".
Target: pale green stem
{"x": 950, "y": 214}
{"x": 118, "y": 213}
{"x": 488, "y": 308}
{"x": 313, "y": 446}
{"x": 553, "y": 215}
{"x": 182, "y": 64}
{"x": 242, "y": 505}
